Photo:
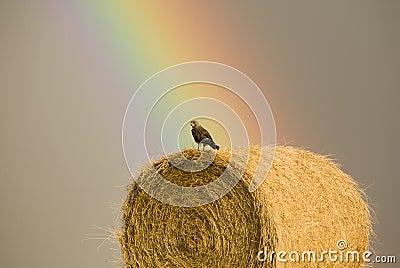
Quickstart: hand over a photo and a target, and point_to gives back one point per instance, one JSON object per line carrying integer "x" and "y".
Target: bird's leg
{"x": 198, "y": 146}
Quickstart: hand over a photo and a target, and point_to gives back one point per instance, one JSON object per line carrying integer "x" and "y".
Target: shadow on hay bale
{"x": 305, "y": 203}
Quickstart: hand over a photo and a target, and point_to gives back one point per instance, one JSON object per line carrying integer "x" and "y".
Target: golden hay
{"x": 305, "y": 203}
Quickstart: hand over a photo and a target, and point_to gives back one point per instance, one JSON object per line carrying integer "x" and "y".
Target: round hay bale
{"x": 306, "y": 203}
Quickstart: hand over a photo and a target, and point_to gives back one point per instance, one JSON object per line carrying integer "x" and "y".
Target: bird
{"x": 202, "y": 136}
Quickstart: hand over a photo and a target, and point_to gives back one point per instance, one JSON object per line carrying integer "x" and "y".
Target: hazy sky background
{"x": 329, "y": 70}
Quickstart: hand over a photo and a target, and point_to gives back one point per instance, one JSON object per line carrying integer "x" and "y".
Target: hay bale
{"x": 305, "y": 203}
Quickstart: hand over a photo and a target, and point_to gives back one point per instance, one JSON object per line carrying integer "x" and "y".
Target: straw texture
{"x": 305, "y": 203}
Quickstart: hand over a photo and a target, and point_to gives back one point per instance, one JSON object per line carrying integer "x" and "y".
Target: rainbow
{"x": 119, "y": 44}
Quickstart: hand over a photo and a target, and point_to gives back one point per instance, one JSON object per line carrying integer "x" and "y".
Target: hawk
{"x": 202, "y": 136}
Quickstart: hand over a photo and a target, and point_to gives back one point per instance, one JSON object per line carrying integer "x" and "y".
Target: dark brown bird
{"x": 202, "y": 136}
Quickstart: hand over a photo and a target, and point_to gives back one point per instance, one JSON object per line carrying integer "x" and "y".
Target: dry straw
{"x": 305, "y": 203}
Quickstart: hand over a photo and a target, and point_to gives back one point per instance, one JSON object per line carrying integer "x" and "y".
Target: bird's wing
{"x": 204, "y": 133}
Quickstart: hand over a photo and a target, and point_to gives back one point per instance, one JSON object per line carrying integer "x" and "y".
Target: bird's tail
{"x": 210, "y": 142}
